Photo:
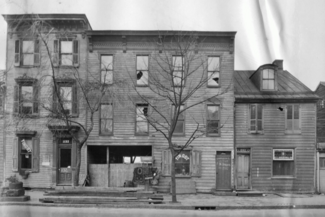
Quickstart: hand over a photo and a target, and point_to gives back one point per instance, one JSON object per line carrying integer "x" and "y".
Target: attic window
{"x": 268, "y": 79}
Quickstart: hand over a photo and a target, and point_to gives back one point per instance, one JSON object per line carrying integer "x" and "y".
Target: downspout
{"x": 235, "y": 149}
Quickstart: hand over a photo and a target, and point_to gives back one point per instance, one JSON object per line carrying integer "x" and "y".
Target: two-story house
{"x": 275, "y": 130}
{"x": 320, "y": 91}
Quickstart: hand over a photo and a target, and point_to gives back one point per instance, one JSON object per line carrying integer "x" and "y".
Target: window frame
{"x": 256, "y": 131}
{"x": 182, "y": 83}
{"x": 26, "y": 81}
{"x": 292, "y": 131}
{"x": 207, "y": 120}
{"x": 293, "y": 159}
{"x": 183, "y": 119}
{"x": 19, "y": 53}
{"x": 100, "y": 120}
{"x": 218, "y": 71}
{"x": 106, "y": 70}
{"x": 136, "y": 121}
{"x": 74, "y": 97}
{"x": 147, "y": 70}
{"x": 35, "y": 152}
{"x": 268, "y": 79}
{"x": 57, "y": 54}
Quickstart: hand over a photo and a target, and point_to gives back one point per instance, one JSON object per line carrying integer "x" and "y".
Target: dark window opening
{"x": 97, "y": 154}
{"x": 65, "y": 158}
{"x": 128, "y": 154}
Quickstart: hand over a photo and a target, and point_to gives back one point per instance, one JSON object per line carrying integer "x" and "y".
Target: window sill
{"x": 179, "y": 134}
{"x": 26, "y": 66}
{"x": 102, "y": 134}
{"x": 141, "y": 134}
{"x": 283, "y": 177}
{"x": 27, "y": 115}
{"x": 256, "y": 133}
{"x": 292, "y": 133}
{"x": 66, "y": 67}
{"x": 213, "y": 135}
{"x": 217, "y": 86}
{"x": 139, "y": 85}
{"x": 183, "y": 176}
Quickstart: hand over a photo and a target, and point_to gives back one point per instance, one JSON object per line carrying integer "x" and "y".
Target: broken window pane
{"x": 26, "y": 153}
{"x": 142, "y": 77}
{"x": 213, "y": 71}
{"x": 141, "y": 120}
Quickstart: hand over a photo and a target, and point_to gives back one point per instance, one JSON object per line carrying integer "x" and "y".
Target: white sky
{"x": 292, "y": 30}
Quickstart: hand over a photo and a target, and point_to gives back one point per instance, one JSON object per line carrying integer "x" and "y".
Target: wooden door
{"x": 322, "y": 173}
{"x": 243, "y": 176}
{"x": 64, "y": 168}
{"x": 223, "y": 170}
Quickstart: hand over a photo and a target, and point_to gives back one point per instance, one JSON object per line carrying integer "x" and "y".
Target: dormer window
{"x": 268, "y": 79}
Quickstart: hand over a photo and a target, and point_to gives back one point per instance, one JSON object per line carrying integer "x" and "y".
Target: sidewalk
{"x": 202, "y": 201}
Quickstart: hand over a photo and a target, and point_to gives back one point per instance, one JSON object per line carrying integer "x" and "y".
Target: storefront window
{"x": 182, "y": 163}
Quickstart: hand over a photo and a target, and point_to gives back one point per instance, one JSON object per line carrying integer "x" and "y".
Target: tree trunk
{"x": 173, "y": 180}
{"x": 77, "y": 166}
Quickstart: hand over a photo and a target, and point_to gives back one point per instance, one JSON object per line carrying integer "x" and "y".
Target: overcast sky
{"x": 292, "y": 30}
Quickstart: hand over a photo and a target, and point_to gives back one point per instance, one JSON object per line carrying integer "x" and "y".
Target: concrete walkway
{"x": 203, "y": 201}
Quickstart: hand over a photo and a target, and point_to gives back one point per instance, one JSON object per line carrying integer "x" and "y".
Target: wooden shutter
{"x": 259, "y": 119}
{"x": 36, "y": 155}
{"x": 74, "y": 100}
{"x": 17, "y": 53}
{"x": 15, "y": 155}
{"x": 37, "y": 57}
{"x": 16, "y": 99}
{"x": 195, "y": 162}
{"x": 75, "y": 53}
{"x": 55, "y": 56}
{"x": 35, "y": 98}
{"x": 166, "y": 162}
{"x": 55, "y": 100}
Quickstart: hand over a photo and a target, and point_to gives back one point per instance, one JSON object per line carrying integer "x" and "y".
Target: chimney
{"x": 278, "y": 63}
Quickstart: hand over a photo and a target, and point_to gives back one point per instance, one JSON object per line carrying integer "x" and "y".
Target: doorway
{"x": 243, "y": 175}
{"x": 223, "y": 170}
{"x": 322, "y": 172}
{"x": 65, "y": 161}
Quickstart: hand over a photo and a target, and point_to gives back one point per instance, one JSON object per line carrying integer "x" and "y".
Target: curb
{"x": 167, "y": 206}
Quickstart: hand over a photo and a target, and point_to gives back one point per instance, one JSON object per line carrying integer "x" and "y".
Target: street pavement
{"x": 35, "y": 211}
{"x": 202, "y": 202}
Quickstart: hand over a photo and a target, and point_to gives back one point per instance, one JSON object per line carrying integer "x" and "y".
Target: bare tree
{"x": 178, "y": 80}
{"x": 62, "y": 91}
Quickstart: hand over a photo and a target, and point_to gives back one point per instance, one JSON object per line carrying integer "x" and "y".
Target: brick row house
{"x": 260, "y": 133}
{"x": 320, "y": 91}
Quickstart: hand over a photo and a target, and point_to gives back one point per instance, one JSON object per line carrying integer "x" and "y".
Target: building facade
{"x": 41, "y": 152}
{"x": 275, "y": 128}
{"x": 320, "y": 91}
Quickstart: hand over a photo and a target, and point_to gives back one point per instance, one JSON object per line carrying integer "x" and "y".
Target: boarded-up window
{"x": 106, "y": 69}
{"x": 268, "y": 79}
{"x": 283, "y": 162}
{"x": 106, "y": 119}
{"x": 142, "y": 70}
{"x": 141, "y": 118}
{"x": 213, "y": 71}
{"x": 180, "y": 123}
{"x": 256, "y": 118}
{"x": 213, "y": 120}
{"x": 293, "y": 119}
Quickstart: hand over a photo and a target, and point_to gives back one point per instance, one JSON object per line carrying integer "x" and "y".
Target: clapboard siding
{"x": 274, "y": 136}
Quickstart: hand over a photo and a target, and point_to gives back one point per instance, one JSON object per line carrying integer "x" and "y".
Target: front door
{"x": 243, "y": 175}
{"x": 65, "y": 171}
{"x": 223, "y": 170}
{"x": 322, "y": 172}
